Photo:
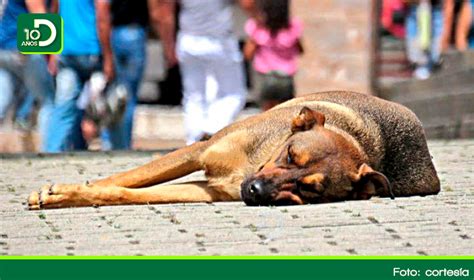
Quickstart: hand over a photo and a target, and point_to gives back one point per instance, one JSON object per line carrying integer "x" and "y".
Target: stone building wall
{"x": 337, "y": 41}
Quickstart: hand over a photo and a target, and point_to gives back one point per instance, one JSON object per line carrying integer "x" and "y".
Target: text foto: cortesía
{"x": 442, "y": 272}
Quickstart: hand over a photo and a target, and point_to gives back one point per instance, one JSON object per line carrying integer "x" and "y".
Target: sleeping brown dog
{"x": 324, "y": 147}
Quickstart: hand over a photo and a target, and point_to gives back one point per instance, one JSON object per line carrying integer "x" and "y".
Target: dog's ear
{"x": 368, "y": 182}
{"x": 307, "y": 119}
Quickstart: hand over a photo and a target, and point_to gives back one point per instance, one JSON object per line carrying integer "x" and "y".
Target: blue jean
{"x": 416, "y": 55}
{"x": 7, "y": 89}
{"x": 18, "y": 72}
{"x": 25, "y": 107}
{"x": 129, "y": 47}
{"x": 12, "y": 67}
{"x": 41, "y": 85}
{"x": 65, "y": 126}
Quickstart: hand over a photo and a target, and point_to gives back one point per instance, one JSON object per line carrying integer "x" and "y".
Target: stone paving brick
{"x": 431, "y": 225}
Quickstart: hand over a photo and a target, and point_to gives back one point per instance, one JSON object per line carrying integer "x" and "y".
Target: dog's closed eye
{"x": 289, "y": 159}
{"x": 289, "y": 156}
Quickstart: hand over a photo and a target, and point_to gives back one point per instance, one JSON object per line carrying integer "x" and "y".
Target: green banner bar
{"x": 223, "y": 269}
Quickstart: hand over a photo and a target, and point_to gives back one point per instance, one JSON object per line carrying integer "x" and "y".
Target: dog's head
{"x": 314, "y": 165}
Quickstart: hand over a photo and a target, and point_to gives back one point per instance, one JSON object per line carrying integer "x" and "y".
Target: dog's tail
{"x": 171, "y": 166}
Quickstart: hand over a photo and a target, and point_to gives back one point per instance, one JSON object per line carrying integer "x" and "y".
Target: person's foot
{"x": 421, "y": 73}
{"x": 89, "y": 128}
{"x": 23, "y": 125}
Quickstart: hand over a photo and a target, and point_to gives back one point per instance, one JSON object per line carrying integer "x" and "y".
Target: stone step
{"x": 443, "y": 102}
{"x": 395, "y": 68}
{"x": 166, "y": 122}
{"x": 390, "y": 43}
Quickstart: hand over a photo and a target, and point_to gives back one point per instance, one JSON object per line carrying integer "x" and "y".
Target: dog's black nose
{"x": 254, "y": 192}
{"x": 256, "y": 189}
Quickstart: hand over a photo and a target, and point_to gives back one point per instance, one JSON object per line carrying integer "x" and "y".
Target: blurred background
{"x": 246, "y": 56}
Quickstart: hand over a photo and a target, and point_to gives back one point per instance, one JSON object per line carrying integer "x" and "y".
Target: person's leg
{"x": 193, "y": 73}
{"x": 463, "y": 36}
{"x": 194, "y": 98}
{"x": 112, "y": 137}
{"x": 436, "y": 34}
{"x": 64, "y": 132}
{"x": 11, "y": 79}
{"x": 24, "y": 110}
{"x": 134, "y": 73}
{"x": 411, "y": 29}
{"x": 40, "y": 83}
{"x": 415, "y": 54}
{"x": 228, "y": 71}
{"x": 130, "y": 54}
{"x": 7, "y": 87}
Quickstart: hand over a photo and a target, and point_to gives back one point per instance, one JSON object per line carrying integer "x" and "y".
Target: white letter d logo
{"x": 50, "y": 25}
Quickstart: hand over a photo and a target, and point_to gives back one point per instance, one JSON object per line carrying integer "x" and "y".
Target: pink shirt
{"x": 275, "y": 53}
{"x": 389, "y": 7}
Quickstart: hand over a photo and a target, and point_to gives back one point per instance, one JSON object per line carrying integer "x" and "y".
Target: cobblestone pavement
{"x": 432, "y": 225}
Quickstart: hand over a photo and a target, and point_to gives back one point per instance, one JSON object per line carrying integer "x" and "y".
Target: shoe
{"x": 421, "y": 73}
{"x": 205, "y": 137}
{"x": 23, "y": 125}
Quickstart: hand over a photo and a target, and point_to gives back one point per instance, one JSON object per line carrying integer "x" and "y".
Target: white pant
{"x": 213, "y": 81}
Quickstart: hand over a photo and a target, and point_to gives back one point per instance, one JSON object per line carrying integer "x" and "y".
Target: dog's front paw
{"x": 33, "y": 201}
{"x": 56, "y": 196}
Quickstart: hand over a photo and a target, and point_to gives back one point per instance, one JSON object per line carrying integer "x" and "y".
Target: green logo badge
{"x": 40, "y": 33}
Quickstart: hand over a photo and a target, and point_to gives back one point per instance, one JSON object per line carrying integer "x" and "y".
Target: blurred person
{"x": 424, "y": 27}
{"x": 23, "y": 73}
{"x": 450, "y": 16}
{"x": 129, "y": 22}
{"x": 274, "y": 44}
{"x": 205, "y": 47}
{"x": 464, "y": 32}
{"x": 457, "y": 24}
{"x": 86, "y": 50}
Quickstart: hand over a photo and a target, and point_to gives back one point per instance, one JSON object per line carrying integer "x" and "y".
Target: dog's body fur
{"x": 386, "y": 136}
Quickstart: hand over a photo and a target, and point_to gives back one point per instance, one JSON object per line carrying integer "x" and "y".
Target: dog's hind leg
{"x": 59, "y": 196}
{"x": 171, "y": 166}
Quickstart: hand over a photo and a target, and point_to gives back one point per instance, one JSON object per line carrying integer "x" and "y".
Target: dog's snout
{"x": 254, "y": 192}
